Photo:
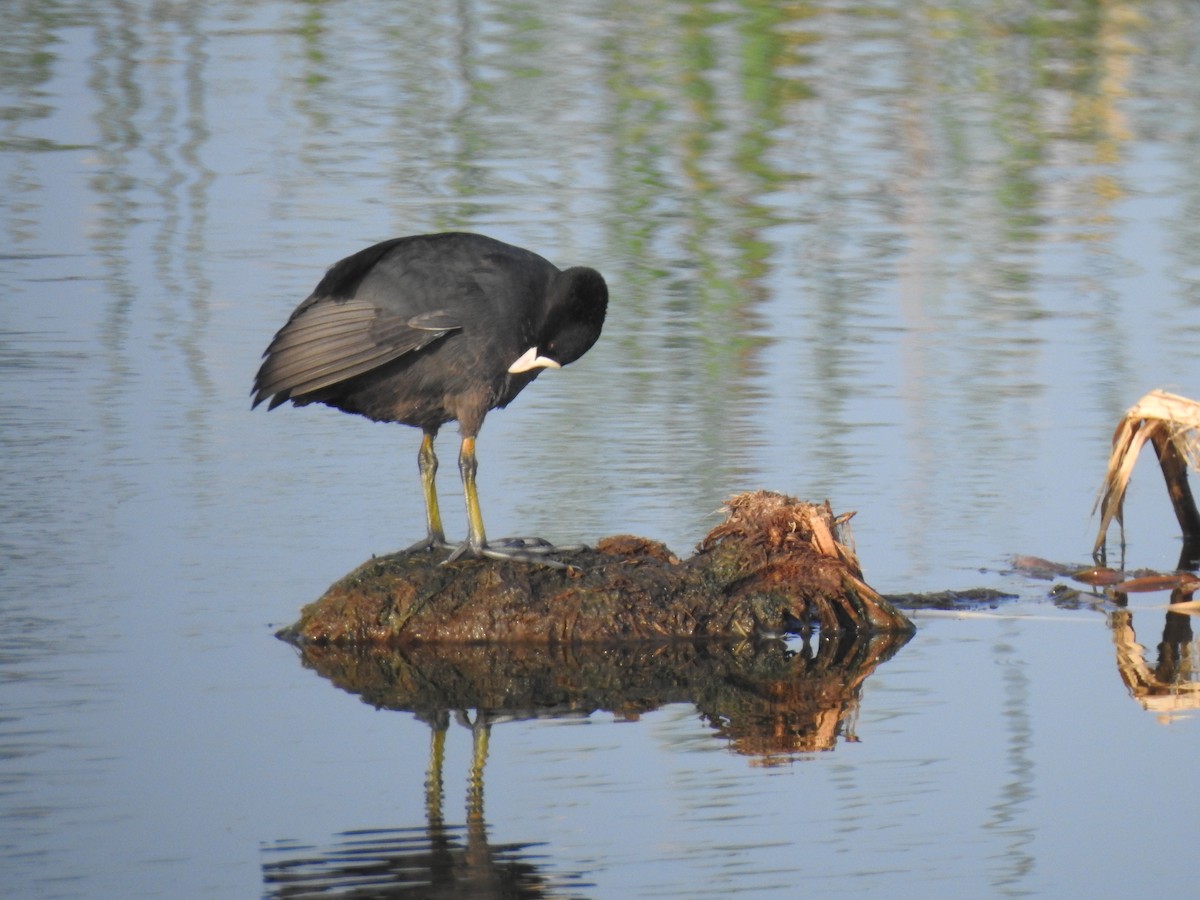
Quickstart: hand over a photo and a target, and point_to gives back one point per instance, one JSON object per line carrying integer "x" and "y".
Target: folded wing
{"x": 328, "y": 341}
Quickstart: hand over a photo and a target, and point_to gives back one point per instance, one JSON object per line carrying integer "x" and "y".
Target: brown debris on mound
{"x": 775, "y": 564}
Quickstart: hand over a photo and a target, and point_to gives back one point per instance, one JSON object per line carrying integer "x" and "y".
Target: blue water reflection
{"x": 916, "y": 258}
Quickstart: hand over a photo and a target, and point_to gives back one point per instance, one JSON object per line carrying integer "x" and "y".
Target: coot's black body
{"x": 431, "y": 328}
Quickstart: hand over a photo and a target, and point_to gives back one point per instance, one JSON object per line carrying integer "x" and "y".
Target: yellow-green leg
{"x": 435, "y": 536}
{"x": 467, "y": 465}
{"x": 531, "y": 550}
{"x": 428, "y": 464}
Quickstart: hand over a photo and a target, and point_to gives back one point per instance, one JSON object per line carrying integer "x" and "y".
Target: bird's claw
{"x": 429, "y": 543}
{"x": 533, "y": 550}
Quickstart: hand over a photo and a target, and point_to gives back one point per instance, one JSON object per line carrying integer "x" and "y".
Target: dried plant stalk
{"x": 1171, "y": 423}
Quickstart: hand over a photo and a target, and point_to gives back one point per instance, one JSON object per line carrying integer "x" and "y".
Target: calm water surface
{"x": 913, "y": 257}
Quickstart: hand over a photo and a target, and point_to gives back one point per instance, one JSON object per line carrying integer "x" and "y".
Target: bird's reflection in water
{"x": 431, "y": 861}
{"x": 768, "y": 697}
{"x": 769, "y": 700}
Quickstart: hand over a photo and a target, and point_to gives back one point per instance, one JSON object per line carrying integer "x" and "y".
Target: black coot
{"x": 429, "y": 328}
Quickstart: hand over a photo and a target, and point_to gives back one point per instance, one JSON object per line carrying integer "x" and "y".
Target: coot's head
{"x": 576, "y": 304}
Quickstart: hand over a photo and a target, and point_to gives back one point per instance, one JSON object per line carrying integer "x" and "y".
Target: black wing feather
{"x": 329, "y": 341}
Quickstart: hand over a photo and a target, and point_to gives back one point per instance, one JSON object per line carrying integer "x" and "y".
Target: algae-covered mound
{"x": 775, "y": 565}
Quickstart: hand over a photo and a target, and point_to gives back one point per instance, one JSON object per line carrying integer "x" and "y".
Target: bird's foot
{"x": 430, "y": 542}
{"x": 533, "y": 550}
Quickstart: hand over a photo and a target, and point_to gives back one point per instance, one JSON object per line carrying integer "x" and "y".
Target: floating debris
{"x": 968, "y": 599}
